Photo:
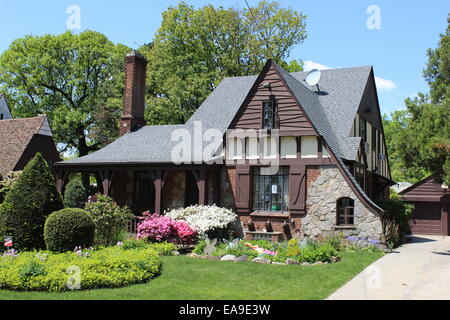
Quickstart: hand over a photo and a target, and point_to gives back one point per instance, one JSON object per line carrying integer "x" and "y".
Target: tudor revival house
{"x": 21, "y": 138}
{"x": 329, "y": 152}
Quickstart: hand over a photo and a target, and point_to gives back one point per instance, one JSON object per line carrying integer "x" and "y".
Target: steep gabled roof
{"x": 4, "y": 109}
{"x": 15, "y": 135}
{"x": 337, "y": 102}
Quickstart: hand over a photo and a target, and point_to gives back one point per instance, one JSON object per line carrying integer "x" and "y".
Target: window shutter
{"x": 243, "y": 189}
{"x": 297, "y": 188}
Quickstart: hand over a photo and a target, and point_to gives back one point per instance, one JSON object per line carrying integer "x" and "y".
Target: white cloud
{"x": 309, "y": 65}
{"x": 384, "y": 84}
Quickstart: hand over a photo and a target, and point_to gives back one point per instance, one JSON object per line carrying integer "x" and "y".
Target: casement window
{"x": 270, "y": 189}
{"x": 345, "y": 211}
{"x": 269, "y": 114}
{"x": 374, "y": 139}
{"x": 144, "y": 188}
{"x": 309, "y": 147}
{"x": 363, "y": 129}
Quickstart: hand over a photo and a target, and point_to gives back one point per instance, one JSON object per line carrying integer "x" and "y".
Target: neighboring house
{"x": 4, "y": 110}
{"x": 431, "y": 201}
{"x": 21, "y": 139}
{"x": 328, "y": 143}
{"x": 400, "y": 186}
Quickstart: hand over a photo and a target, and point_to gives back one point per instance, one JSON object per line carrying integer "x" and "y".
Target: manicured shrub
{"x": 69, "y": 228}
{"x": 209, "y": 221}
{"x": 109, "y": 218}
{"x": 105, "y": 268}
{"x": 156, "y": 228}
{"x": 323, "y": 253}
{"x": 26, "y": 206}
{"x": 75, "y": 195}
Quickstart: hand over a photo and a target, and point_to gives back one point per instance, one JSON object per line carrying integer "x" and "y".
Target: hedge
{"x": 87, "y": 269}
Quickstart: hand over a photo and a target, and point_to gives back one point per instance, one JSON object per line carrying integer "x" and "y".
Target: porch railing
{"x": 133, "y": 224}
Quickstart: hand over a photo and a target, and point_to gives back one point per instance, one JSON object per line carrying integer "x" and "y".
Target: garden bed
{"x": 127, "y": 263}
{"x": 306, "y": 252}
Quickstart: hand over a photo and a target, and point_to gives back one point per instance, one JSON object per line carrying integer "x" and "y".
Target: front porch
{"x": 150, "y": 187}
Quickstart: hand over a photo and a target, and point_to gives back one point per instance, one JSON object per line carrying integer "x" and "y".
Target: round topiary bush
{"x": 68, "y": 228}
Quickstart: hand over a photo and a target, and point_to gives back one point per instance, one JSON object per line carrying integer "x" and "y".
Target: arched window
{"x": 345, "y": 211}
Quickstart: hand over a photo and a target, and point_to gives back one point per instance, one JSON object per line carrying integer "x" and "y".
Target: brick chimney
{"x": 133, "y": 101}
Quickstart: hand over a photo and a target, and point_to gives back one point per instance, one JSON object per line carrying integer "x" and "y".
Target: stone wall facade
{"x": 174, "y": 190}
{"x": 325, "y": 185}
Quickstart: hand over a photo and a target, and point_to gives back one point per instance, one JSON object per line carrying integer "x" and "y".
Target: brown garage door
{"x": 426, "y": 218}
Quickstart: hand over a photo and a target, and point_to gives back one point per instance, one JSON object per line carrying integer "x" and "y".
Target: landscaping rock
{"x": 279, "y": 263}
{"x": 243, "y": 258}
{"x": 176, "y": 253}
{"x": 317, "y": 263}
{"x": 193, "y": 255}
{"x": 291, "y": 261}
{"x": 212, "y": 257}
{"x": 306, "y": 264}
{"x": 228, "y": 257}
{"x": 261, "y": 260}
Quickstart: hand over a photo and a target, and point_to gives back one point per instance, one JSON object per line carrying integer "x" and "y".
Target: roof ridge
{"x": 304, "y": 71}
{"x": 27, "y": 118}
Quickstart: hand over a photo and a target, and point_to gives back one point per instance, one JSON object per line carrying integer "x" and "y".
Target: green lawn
{"x": 192, "y": 278}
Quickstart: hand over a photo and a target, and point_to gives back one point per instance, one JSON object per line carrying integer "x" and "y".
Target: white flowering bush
{"x": 209, "y": 221}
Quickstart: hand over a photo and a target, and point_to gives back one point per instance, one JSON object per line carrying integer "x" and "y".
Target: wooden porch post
{"x": 216, "y": 181}
{"x": 61, "y": 179}
{"x": 106, "y": 178}
{"x": 202, "y": 184}
{"x": 159, "y": 178}
{"x": 158, "y": 190}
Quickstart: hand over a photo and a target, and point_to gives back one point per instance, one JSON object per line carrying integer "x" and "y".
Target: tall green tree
{"x": 194, "y": 49}
{"x": 74, "y": 79}
{"x": 418, "y": 138}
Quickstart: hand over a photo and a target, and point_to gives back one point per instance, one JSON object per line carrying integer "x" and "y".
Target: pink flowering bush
{"x": 156, "y": 228}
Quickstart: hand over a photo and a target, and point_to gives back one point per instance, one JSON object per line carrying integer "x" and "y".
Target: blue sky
{"x": 338, "y": 35}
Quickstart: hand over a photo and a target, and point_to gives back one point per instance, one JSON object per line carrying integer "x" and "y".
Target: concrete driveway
{"x": 419, "y": 269}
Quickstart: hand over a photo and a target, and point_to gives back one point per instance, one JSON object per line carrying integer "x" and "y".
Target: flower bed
{"x": 273, "y": 252}
{"x": 121, "y": 265}
{"x": 305, "y": 252}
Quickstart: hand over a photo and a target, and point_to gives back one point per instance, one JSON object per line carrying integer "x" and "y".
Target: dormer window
{"x": 269, "y": 114}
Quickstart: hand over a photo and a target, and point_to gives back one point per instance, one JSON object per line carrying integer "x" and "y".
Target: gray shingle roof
{"x": 336, "y": 103}
{"x": 150, "y": 144}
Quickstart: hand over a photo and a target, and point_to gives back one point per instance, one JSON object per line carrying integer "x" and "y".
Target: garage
{"x": 431, "y": 207}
